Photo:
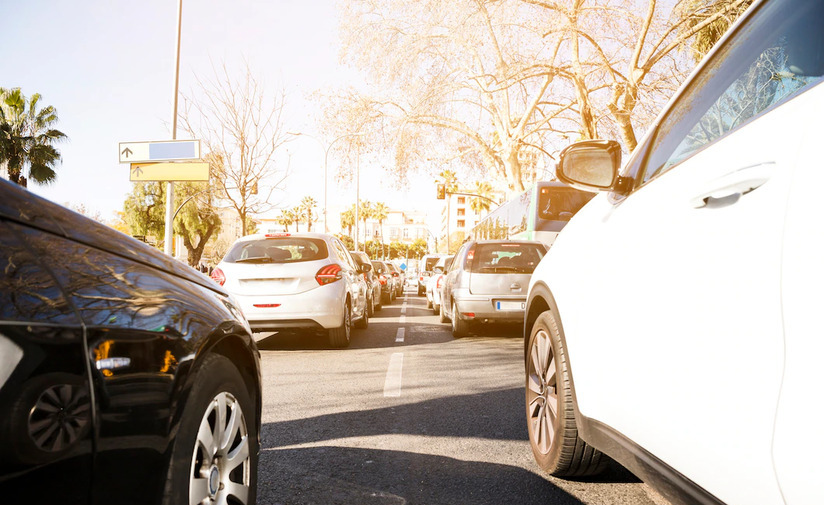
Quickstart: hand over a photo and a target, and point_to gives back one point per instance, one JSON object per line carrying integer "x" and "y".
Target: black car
{"x": 125, "y": 376}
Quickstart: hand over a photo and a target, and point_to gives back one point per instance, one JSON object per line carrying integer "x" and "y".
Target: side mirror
{"x": 591, "y": 165}
{"x": 438, "y": 270}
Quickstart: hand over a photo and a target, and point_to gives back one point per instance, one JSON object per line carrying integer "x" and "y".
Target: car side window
{"x": 343, "y": 254}
{"x": 778, "y": 53}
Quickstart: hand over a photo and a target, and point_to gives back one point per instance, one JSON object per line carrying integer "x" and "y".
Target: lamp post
{"x": 170, "y": 186}
{"x": 326, "y": 168}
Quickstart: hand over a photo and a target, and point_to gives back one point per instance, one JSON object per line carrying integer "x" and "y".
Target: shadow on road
{"x": 338, "y": 475}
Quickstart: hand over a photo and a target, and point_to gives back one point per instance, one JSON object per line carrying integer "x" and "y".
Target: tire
{"x": 201, "y": 462}
{"x": 436, "y": 309}
{"x": 339, "y": 337}
{"x": 460, "y": 328}
{"x": 444, "y": 318}
{"x": 379, "y": 305}
{"x": 428, "y": 303}
{"x": 553, "y": 435}
{"x": 363, "y": 322}
{"x": 370, "y": 305}
{"x": 420, "y": 291}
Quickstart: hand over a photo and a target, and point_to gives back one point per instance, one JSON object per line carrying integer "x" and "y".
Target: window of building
{"x": 461, "y": 212}
{"x": 461, "y": 223}
{"x": 461, "y": 200}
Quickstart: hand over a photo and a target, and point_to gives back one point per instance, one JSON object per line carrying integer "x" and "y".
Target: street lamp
{"x": 326, "y": 168}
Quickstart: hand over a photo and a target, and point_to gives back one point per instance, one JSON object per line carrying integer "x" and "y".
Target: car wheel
{"x": 553, "y": 434}
{"x": 379, "y": 305}
{"x": 428, "y": 303}
{"x": 420, "y": 291}
{"x": 460, "y": 328}
{"x": 370, "y": 304}
{"x": 215, "y": 452}
{"x": 444, "y": 318}
{"x": 363, "y": 322}
{"x": 436, "y": 309}
{"x": 339, "y": 337}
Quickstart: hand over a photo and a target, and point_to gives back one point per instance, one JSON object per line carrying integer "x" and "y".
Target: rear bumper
{"x": 485, "y": 308}
{"x": 320, "y": 308}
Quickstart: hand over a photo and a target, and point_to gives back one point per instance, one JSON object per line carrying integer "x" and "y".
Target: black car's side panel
{"x": 144, "y": 331}
{"x": 666, "y": 480}
{"x": 46, "y": 425}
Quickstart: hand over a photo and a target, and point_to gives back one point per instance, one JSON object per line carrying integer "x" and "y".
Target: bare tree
{"x": 238, "y": 122}
{"x": 455, "y": 79}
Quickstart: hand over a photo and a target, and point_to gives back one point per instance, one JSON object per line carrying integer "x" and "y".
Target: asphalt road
{"x": 408, "y": 415}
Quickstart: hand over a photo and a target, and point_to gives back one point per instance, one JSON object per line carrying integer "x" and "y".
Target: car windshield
{"x": 278, "y": 250}
{"x": 504, "y": 258}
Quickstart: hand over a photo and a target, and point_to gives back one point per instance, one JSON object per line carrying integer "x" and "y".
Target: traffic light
{"x": 441, "y": 191}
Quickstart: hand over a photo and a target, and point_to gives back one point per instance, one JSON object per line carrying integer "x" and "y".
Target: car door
{"x": 46, "y": 425}
{"x": 354, "y": 280}
{"x": 688, "y": 331}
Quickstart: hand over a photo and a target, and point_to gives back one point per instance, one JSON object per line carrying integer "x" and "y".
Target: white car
{"x": 434, "y": 283}
{"x": 296, "y": 281}
{"x": 674, "y": 323}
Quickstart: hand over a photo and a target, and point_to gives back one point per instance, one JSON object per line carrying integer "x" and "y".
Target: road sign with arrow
{"x": 159, "y": 150}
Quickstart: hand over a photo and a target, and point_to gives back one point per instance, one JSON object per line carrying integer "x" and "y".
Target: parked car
{"x": 119, "y": 368}
{"x": 487, "y": 282}
{"x": 296, "y": 282}
{"x": 373, "y": 285}
{"x": 674, "y": 326}
{"x": 397, "y": 275}
{"x": 386, "y": 280}
{"x": 425, "y": 266}
{"x": 435, "y": 284}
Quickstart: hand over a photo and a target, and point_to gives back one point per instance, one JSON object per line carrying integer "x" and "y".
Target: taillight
{"x": 218, "y": 276}
{"x": 440, "y": 278}
{"x": 382, "y": 280}
{"x": 328, "y": 274}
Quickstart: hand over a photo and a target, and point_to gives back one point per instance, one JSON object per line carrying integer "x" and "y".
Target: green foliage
{"x": 197, "y": 220}
{"x": 27, "y": 138}
{"x": 144, "y": 209}
{"x": 347, "y": 241}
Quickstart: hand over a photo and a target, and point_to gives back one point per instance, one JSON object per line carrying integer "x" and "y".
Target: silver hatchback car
{"x": 296, "y": 281}
{"x": 487, "y": 282}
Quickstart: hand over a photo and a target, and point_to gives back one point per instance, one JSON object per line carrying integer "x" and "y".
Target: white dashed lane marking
{"x": 400, "y": 335}
{"x": 392, "y": 385}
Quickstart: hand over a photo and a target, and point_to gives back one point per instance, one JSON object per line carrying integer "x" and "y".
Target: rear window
{"x": 430, "y": 264}
{"x": 278, "y": 250}
{"x": 378, "y": 266}
{"x": 504, "y": 258}
{"x": 560, "y": 204}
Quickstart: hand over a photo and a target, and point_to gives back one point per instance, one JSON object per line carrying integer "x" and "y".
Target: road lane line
{"x": 403, "y": 308}
{"x": 400, "y": 335}
{"x": 402, "y": 319}
{"x": 392, "y": 386}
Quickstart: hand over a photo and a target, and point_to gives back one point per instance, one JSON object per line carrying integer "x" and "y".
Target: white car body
{"x": 435, "y": 282}
{"x": 288, "y": 296}
{"x": 688, "y": 308}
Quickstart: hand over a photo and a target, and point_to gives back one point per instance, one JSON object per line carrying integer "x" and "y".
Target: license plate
{"x": 510, "y": 305}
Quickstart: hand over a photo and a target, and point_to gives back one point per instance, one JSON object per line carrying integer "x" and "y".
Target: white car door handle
{"x": 728, "y": 189}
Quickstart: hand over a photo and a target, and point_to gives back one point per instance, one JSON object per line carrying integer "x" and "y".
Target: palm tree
{"x": 380, "y": 212}
{"x": 27, "y": 138}
{"x": 479, "y": 205}
{"x": 297, "y": 214}
{"x": 285, "y": 219}
{"x": 450, "y": 180}
{"x": 347, "y": 219}
{"x": 306, "y": 205}
{"x": 365, "y": 213}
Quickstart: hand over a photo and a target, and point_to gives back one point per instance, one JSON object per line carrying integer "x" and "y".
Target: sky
{"x": 108, "y": 68}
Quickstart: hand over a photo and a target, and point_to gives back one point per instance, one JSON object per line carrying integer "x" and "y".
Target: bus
{"x": 538, "y": 213}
